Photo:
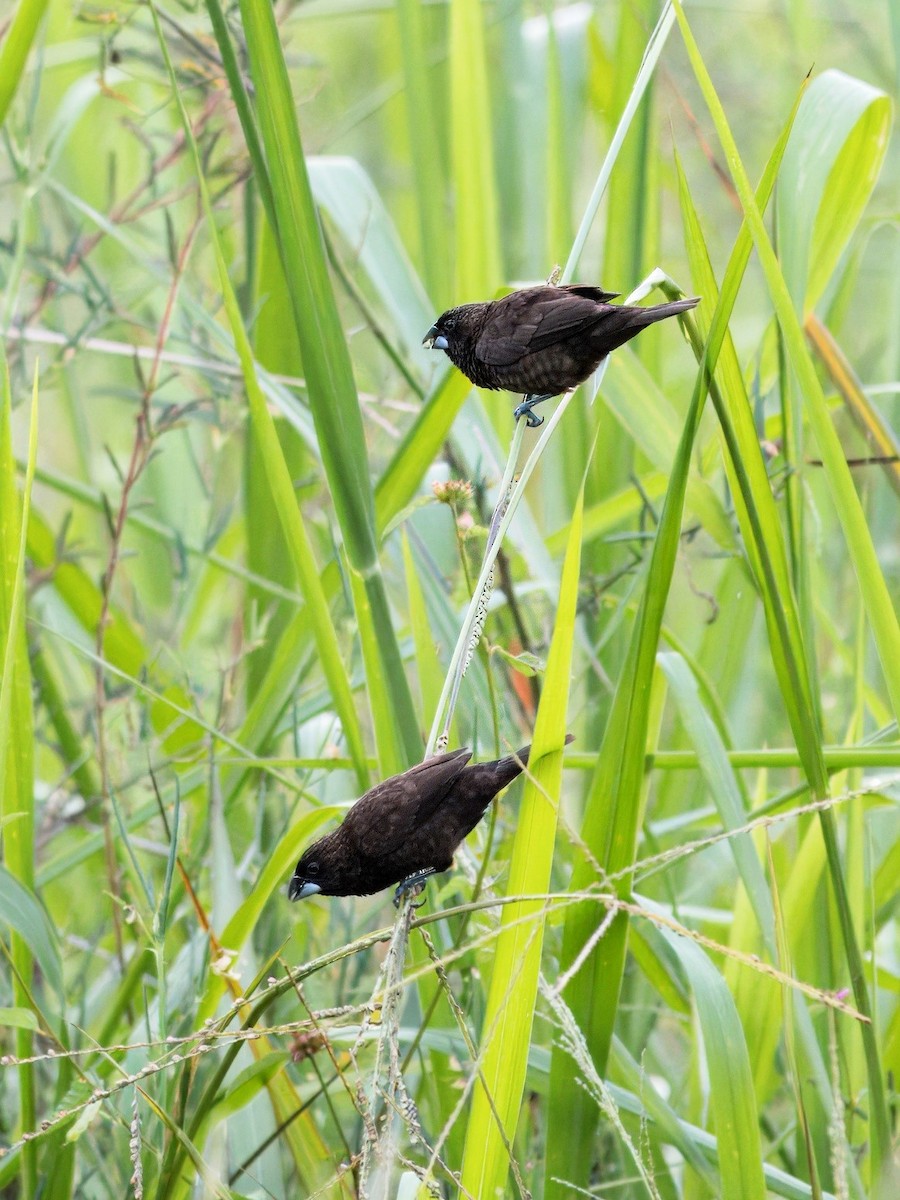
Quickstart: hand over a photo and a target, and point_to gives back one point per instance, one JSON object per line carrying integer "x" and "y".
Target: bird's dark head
{"x": 319, "y": 870}
{"x": 451, "y": 327}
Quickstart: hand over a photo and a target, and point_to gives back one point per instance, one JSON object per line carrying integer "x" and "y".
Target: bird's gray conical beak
{"x": 299, "y": 889}
{"x": 434, "y": 339}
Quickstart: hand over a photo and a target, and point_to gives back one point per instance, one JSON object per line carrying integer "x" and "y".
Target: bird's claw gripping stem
{"x": 526, "y": 410}
{"x": 414, "y": 884}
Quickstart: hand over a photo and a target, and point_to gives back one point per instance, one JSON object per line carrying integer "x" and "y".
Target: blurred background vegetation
{"x": 229, "y": 595}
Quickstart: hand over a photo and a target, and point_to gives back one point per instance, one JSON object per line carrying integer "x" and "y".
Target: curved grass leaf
{"x": 732, "y": 1099}
{"x": 831, "y": 165}
{"x": 20, "y": 910}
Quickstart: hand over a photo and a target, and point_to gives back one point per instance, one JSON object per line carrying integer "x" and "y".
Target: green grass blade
{"x": 835, "y": 155}
{"x": 427, "y": 664}
{"x": 754, "y": 502}
{"x": 873, "y": 587}
{"x": 283, "y": 495}
{"x": 21, "y": 911}
{"x": 326, "y": 359}
{"x": 879, "y": 434}
{"x": 610, "y": 828}
{"x": 123, "y": 647}
{"x": 655, "y": 47}
{"x": 244, "y": 108}
{"x": 630, "y": 249}
{"x": 830, "y": 167}
{"x": 723, "y": 786}
{"x": 420, "y": 444}
{"x": 14, "y": 49}
{"x": 476, "y": 244}
{"x": 390, "y": 753}
{"x": 421, "y": 107}
{"x": 16, "y": 739}
{"x": 613, "y": 806}
{"x": 641, "y": 408}
{"x": 271, "y": 879}
{"x": 506, "y": 1029}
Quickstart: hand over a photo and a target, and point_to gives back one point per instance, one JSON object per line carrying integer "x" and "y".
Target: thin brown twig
{"x": 141, "y": 451}
{"x": 122, "y": 212}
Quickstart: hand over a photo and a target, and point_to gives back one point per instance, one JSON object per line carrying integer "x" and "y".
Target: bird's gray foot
{"x": 414, "y": 884}
{"x": 525, "y": 409}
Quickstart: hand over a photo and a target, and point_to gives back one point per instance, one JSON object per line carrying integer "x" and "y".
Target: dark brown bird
{"x": 406, "y": 828}
{"x": 541, "y": 340}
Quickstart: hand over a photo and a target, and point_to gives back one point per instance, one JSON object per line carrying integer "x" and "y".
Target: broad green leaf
{"x": 21, "y": 911}
{"x": 831, "y": 165}
{"x": 19, "y": 1018}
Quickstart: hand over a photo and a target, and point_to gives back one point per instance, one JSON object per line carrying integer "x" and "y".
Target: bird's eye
{"x": 312, "y": 868}
{"x": 450, "y": 323}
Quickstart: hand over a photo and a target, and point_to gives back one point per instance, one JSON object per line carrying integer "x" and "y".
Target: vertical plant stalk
{"x": 16, "y": 756}
{"x": 500, "y": 523}
{"x": 380, "y": 1149}
{"x": 573, "y": 1042}
{"x": 473, "y": 622}
{"x": 424, "y": 143}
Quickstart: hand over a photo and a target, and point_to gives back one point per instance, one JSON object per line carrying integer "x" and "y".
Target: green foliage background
{"x": 668, "y": 964}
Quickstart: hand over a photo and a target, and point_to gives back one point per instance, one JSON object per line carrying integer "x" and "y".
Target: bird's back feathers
{"x": 383, "y": 816}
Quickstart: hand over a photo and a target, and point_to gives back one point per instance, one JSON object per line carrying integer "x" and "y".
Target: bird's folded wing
{"x": 385, "y": 816}
{"x": 527, "y": 325}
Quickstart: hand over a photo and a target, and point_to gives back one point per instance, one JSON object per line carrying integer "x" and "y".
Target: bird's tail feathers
{"x": 641, "y": 317}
